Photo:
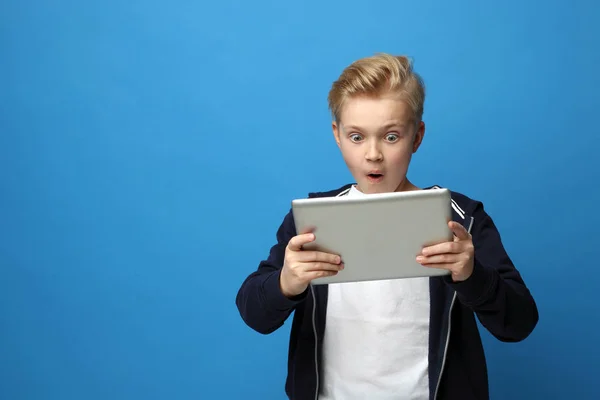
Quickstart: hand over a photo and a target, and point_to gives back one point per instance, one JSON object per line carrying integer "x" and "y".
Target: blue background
{"x": 150, "y": 149}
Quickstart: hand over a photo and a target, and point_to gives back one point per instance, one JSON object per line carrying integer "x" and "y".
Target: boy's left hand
{"x": 456, "y": 256}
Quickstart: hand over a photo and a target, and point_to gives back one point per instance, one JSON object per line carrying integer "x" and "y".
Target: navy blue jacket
{"x": 495, "y": 293}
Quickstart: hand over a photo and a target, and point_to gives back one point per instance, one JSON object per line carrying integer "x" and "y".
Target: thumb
{"x": 459, "y": 231}
{"x": 296, "y": 243}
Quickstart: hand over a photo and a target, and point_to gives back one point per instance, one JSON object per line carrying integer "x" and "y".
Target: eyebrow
{"x": 386, "y": 126}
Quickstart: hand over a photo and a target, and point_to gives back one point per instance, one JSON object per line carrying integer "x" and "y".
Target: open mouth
{"x": 375, "y": 177}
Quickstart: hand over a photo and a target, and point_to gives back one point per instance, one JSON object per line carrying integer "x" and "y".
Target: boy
{"x": 395, "y": 339}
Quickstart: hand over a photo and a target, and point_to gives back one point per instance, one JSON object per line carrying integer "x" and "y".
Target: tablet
{"x": 378, "y": 236}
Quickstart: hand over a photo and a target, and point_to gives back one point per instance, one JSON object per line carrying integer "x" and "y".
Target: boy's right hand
{"x": 300, "y": 267}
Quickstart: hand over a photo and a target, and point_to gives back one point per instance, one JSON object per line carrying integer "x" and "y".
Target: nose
{"x": 373, "y": 152}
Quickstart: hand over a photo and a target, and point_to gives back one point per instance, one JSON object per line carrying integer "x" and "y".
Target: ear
{"x": 418, "y": 139}
{"x": 336, "y": 132}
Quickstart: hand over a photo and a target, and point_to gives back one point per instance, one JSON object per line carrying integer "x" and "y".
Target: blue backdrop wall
{"x": 131, "y": 131}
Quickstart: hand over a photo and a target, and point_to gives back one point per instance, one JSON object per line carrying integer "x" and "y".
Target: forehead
{"x": 375, "y": 111}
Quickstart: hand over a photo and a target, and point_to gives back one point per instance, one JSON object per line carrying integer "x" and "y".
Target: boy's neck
{"x": 406, "y": 186}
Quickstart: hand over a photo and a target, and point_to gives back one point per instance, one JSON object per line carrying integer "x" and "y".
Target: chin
{"x": 372, "y": 188}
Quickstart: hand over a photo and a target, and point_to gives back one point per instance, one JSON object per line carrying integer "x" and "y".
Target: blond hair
{"x": 375, "y": 76}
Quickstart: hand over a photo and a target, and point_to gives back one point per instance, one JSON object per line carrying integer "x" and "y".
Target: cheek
{"x": 401, "y": 156}
{"x": 351, "y": 156}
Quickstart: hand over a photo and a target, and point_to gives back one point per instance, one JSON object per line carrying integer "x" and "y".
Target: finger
{"x": 447, "y": 267}
{"x": 459, "y": 231}
{"x": 318, "y": 256}
{"x": 296, "y": 243}
{"x": 447, "y": 258}
{"x": 320, "y": 274}
{"x": 320, "y": 266}
{"x": 442, "y": 248}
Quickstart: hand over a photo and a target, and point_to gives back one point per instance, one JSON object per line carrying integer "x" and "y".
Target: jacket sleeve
{"x": 495, "y": 291}
{"x": 261, "y": 304}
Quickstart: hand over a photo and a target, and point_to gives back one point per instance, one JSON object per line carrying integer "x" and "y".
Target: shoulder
{"x": 473, "y": 215}
{"x": 288, "y": 226}
{"x": 461, "y": 203}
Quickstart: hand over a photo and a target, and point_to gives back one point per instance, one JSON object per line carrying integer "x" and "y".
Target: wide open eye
{"x": 392, "y": 137}
{"x": 355, "y": 137}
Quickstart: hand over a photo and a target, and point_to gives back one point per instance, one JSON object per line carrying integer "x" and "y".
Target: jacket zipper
{"x": 437, "y": 386}
{"x": 314, "y": 326}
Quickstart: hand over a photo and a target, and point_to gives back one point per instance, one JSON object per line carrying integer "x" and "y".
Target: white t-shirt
{"x": 376, "y": 340}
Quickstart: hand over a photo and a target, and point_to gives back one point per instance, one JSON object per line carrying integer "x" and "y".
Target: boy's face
{"x": 377, "y": 137}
